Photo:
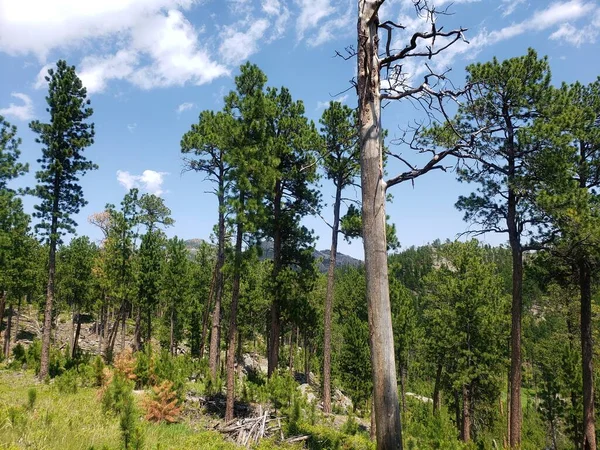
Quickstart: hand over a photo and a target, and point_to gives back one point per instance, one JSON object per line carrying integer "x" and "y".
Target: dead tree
{"x": 380, "y": 76}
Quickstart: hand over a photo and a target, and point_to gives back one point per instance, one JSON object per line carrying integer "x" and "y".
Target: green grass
{"x": 76, "y": 421}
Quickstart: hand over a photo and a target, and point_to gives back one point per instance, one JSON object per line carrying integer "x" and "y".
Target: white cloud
{"x": 155, "y": 45}
{"x": 38, "y": 26}
{"x": 184, "y": 107}
{"x": 578, "y": 35}
{"x": 96, "y": 71}
{"x": 149, "y": 181}
{"x": 237, "y": 45}
{"x": 510, "y": 6}
{"x": 131, "y": 127}
{"x": 325, "y": 104}
{"x": 40, "y": 80}
{"x": 324, "y": 20}
{"x": 311, "y": 13}
{"x": 22, "y": 112}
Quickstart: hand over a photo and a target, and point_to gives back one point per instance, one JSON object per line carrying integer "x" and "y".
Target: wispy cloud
{"x": 184, "y": 107}
{"x": 24, "y": 111}
{"x": 510, "y": 6}
{"x": 325, "y": 104}
{"x": 131, "y": 127}
{"x": 320, "y": 21}
{"x": 236, "y": 45}
{"x": 149, "y": 181}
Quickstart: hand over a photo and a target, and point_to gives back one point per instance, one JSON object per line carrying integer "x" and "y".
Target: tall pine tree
{"x": 64, "y": 140}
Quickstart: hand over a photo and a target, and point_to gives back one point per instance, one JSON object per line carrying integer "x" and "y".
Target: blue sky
{"x": 151, "y": 66}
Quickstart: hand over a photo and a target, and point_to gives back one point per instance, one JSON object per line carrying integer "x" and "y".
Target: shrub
{"x": 144, "y": 367}
{"x": 131, "y": 433}
{"x": 99, "y": 374}
{"x": 67, "y": 383}
{"x": 125, "y": 364}
{"x": 31, "y": 398}
{"x": 116, "y": 393}
{"x": 163, "y": 405}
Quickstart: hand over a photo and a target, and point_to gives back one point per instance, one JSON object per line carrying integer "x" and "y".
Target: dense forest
{"x": 451, "y": 345}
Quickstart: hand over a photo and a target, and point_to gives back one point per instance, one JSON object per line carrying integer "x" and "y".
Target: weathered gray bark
{"x": 17, "y": 321}
{"x": 437, "y": 398}
{"x": 385, "y": 386}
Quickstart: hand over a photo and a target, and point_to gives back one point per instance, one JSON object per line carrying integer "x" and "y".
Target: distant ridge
{"x": 267, "y": 248}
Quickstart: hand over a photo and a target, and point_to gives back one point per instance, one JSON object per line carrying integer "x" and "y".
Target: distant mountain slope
{"x": 267, "y": 250}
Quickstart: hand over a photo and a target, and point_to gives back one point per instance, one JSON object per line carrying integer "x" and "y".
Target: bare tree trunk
{"x": 76, "y": 337}
{"x": 306, "y": 366}
{"x": 235, "y": 295}
{"x": 149, "y": 330}
{"x": 16, "y": 336}
{"x": 275, "y": 331}
{"x": 329, "y": 301}
{"x": 72, "y": 334}
{"x": 137, "y": 333}
{"x": 385, "y": 385}
{"x": 515, "y": 341}
{"x": 437, "y": 400}
{"x": 2, "y": 306}
{"x": 457, "y": 412}
{"x": 46, "y": 333}
{"x": 206, "y": 314}
{"x": 292, "y": 350}
{"x": 172, "y": 332}
{"x": 7, "y": 332}
{"x": 215, "y": 335}
{"x": 466, "y": 414}
{"x": 112, "y": 337}
{"x": 373, "y": 431}
{"x": 587, "y": 353}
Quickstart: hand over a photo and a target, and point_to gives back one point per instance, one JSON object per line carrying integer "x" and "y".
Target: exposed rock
{"x": 307, "y": 392}
{"x": 341, "y": 401}
{"x": 419, "y": 397}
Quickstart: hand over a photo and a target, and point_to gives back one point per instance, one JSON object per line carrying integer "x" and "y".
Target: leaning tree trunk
{"x": 172, "y": 332}
{"x": 235, "y": 296}
{"x": 76, "y": 337}
{"x": 137, "y": 333}
{"x": 72, "y": 334}
{"x": 206, "y": 314}
{"x": 587, "y": 353}
{"x": 329, "y": 302}
{"x": 385, "y": 386}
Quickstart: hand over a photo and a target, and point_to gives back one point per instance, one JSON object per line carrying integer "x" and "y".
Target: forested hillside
{"x": 252, "y": 337}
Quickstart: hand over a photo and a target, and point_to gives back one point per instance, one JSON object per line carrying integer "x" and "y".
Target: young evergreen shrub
{"x": 31, "y": 398}
{"x": 131, "y": 433}
{"x": 67, "y": 383}
{"x": 144, "y": 368}
{"x": 99, "y": 375}
{"x": 116, "y": 394}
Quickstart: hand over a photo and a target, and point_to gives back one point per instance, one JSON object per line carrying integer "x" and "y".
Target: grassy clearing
{"x": 76, "y": 421}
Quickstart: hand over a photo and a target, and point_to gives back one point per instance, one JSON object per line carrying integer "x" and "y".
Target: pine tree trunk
{"x": 292, "y": 351}
{"x": 72, "y": 334}
{"x": 7, "y": 332}
{"x": 373, "y": 431}
{"x": 457, "y": 411}
{"x": 76, "y": 338}
{"x": 275, "y": 331}
{"x": 466, "y": 414}
{"x": 437, "y": 399}
{"x": 215, "y": 335}
{"x": 206, "y": 314}
{"x": 587, "y": 353}
{"x": 16, "y": 335}
{"x": 306, "y": 366}
{"x": 515, "y": 338}
{"x": 329, "y": 301}
{"x": 149, "y": 329}
{"x": 137, "y": 333}
{"x": 47, "y": 330}
{"x": 235, "y": 295}
{"x": 2, "y": 306}
{"x": 172, "y": 332}
{"x": 385, "y": 385}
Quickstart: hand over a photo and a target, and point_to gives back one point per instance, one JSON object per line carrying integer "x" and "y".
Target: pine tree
{"x": 64, "y": 140}
{"x": 340, "y": 162}
{"x": 209, "y": 140}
